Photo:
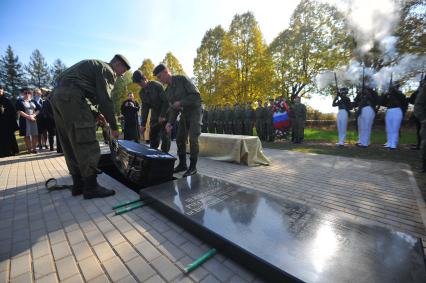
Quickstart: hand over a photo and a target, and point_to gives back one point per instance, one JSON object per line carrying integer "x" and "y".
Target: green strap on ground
{"x": 130, "y": 205}
{"x": 128, "y": 202}
{"x": 200, "y": 260}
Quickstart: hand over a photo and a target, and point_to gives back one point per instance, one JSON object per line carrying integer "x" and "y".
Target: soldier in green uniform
{"x": 259, "y": 114}
{"x": 219, "y": 119}
{"x": 269, "y": 127}
{"x": 80, "y": 99}
{"x": 211, "y": 120}
{"x": 153, "y": 98}
{"x": 249, "y": 119}
{"x": 227, "y": 120}
{"x": 184, "y": 98}
{"x": 420, "y": 113}
{"x": 298, "y": 113}
{"x": 205, "y": 114}
{"x": 238, "y": 119}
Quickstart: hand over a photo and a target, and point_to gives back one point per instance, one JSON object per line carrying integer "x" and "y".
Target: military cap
{"x": 138, "y": 76}
{"x": 123, "y": 60}
{"x": 343, "y": 90}
{"x": 159, "y": 69}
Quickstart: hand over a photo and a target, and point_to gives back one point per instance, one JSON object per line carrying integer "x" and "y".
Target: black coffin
{"x": 141, "y": 164}
{"x": 286, "y": 241}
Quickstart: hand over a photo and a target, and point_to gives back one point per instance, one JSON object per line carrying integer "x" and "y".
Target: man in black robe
{"x": 8, "y": 126}
{"x": 129, "y": 110}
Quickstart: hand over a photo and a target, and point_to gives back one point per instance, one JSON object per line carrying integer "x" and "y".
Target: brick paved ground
{"x": 51, "y": 237}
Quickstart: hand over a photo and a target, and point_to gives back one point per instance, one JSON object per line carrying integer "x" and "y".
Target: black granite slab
{"x": 285, "y": 240}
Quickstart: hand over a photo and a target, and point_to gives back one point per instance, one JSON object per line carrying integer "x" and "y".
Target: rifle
{"x": 363, "y": 79}
{"x": 390, "y": 83}
{"x": 337, "y": 87}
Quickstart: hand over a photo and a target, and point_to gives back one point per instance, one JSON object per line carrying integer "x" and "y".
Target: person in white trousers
{"x": 396, "y": 103}
{"x": 344, "y": 103}
{"x": 366, "y": 101}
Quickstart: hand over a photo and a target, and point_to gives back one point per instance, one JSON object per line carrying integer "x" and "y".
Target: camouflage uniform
{"x": 210, "y": 120}
{"x": 183, "y": 89}
{"x": 420, "y": 113}
{"x": 237, "y": 122}
{"x": 269, "y": 127}
{"x": 154, "y": 99}
{"x": 218, "y": 114}
{"x": 249, "y": 119}
{"x": 298, "y": 121}
{"x": 259, "y": 115}
{"x": 227, "y": 120}
{"x": 82, "y": 89}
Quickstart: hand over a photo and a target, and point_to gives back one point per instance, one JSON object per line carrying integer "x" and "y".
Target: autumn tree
{"x": 56, "y": 70}
{"x": 147, "y": 67}
{"x": 11, "y": 73}
{"x": 248, "y": 65}
{"x": 316, "y": 40}
{"x": 38, "y": 70}
{"x": 173, "y": 64}
{"x": 208, "y": 66}
{"x": 412, "y": 27}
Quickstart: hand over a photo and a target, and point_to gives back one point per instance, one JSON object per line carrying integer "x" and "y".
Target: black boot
{"x": 77, "y": 185}
{"x": 93, "y": 190}
{"x": 182, "y": 164}
{"x": 192, "y": 170}
{"x": 423, "y": 168}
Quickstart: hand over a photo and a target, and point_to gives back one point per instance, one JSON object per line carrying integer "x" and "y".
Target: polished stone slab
{"x": 285, "y": 240}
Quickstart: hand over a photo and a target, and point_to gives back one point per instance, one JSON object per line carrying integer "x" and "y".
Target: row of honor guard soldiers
{"x": 366, "y": 105}
{"x": 240, "y": 120}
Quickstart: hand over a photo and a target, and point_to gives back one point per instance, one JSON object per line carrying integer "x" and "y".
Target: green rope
{"x": 200, "y": 260}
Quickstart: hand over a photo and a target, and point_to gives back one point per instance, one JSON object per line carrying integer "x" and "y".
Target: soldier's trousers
{"x": 365, "y": 123}
{"x": 423, "y": 144}
{"x": 227, "y": 128}
{"x": 219, "y": 128}
{"x": 269, "y": 132}
{"x": 238, "y": 128}
{"x": 189, "y": 126}
{"x": 248, "y": 128}
{"x": 298, "y": 129}
{"x": 76, "y": 130}
{"x": 259, "y": 130}
{"x": 393, "y": 120}
{"x": 211, "y": 128}
{"x": 157, "y": 133}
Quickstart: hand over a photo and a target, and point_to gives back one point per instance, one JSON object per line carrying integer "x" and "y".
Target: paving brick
{"x": 219, "y": 270}
{"x": 57, "y": 237}
{"x": 197, "y": 274}
{"x": 174, "y": 237}
{"x": 114, "y": 237}
{"x": 104, "y": 251}
{"x": 116, "y": 269}
{"x": 40, "y": 249}
{"x": 155, "y": 279}
{"x": 154, "y": 237}
{"x": 125, "y": 251}
{"x": 95, "y": 237}
{"x": 43, "y": 266}
{"x": 166, "y": 268}
{"x": 75, "y": 237}
{"x": 90, "y": 268}
{"x": 134, "y": 237}
{"x": 210, "y": 279}
{"x": 20, "y": 266}
{"x": 51, "y": 278}
{"x": 23, "y": 278}
{"x": 74, "y": 279}
{"x": 100, "y": 279}
{"x": 171, "y": 251}
{"x": 61, "y": 250}
{"x": 66, "y": 267}
{"x": 140, "y": 268}
{"x": 81, "y": 251}
{"x": 147, "y": 250}
{"x": 128, "y": 279}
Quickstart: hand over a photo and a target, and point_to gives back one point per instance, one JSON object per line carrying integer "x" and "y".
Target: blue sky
{"x": 94, "y": 29}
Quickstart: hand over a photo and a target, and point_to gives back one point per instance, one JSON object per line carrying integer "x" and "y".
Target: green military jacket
{"x": 182, "y": 89}
{"x": 259, "y": 113}
{"x": 420, "y": 104}
{"x": 96, "y": 80}
{"x": 249, "y": 114}
{"x": 154, "y": 98}
{"x": 299, "y": 111}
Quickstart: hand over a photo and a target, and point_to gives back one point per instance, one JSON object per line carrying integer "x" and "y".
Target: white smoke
{"x": 407, "y": 67}
{"x": 370, "y": 22}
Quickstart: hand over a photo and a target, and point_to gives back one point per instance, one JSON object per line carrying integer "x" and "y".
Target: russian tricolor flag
{"x": 280, "y": 120}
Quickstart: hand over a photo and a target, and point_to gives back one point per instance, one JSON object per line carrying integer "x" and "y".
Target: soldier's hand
{"x": 169, "y": 128}
{"x": 161, "y": 119}
{"x": 100, "y": 120}
{"x": 177, "y": 105}
{"x": 115, "y": 133}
